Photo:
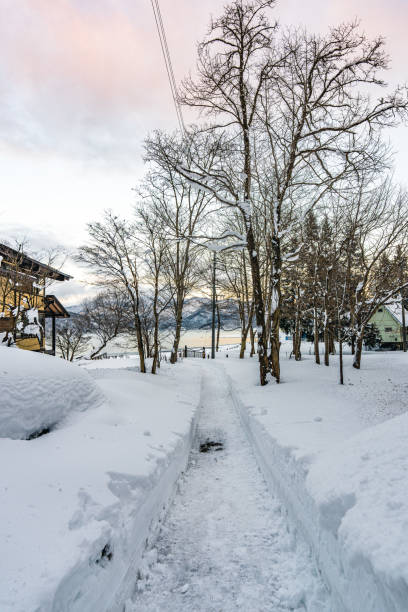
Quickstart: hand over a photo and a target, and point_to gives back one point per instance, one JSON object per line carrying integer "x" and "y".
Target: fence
{"x": 194, "y": 352}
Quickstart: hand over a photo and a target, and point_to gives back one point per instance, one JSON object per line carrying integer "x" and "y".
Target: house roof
{"x": 396, "y": 311}
{"x": 54, "y": 308}
{"x": 29, "y": 265}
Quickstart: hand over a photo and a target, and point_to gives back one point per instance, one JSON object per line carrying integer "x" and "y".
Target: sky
{"x": 82, "y": 83}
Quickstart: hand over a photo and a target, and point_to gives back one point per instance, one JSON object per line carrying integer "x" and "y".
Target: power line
{"x": 167, "y": 60}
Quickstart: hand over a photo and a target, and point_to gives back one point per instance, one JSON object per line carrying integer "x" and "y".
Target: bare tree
{"x": 72, "y": 338}
{"x": 180, "y": 210}
{"x": 379, "y": 235}
{"x": 105, "y": 317}
{"x": 156, "y": 259}
{"x": 401, "y": 262}
{"x": 233, "y": 65}
{"x": 113, "y": 253}
{"x": 234, "y": 278}
{"x": 318, "y": 128}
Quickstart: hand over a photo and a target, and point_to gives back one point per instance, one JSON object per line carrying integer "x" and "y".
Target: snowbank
{"x": 338, "y": 459}
{"x": 38, "y": 391}
{"x": 360, "y": 491}
{"x": 79, "y": 503}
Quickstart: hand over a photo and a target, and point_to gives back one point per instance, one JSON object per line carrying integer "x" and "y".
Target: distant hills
{"x": 197, "y": 314}
{"x": 74, "y": 309}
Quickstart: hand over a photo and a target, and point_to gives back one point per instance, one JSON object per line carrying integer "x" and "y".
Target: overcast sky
{"x": 82, "y": 82}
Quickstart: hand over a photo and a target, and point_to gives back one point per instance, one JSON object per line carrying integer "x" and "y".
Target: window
{"x": 388, "y": 329}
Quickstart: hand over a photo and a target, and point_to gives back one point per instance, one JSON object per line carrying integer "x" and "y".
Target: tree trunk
{"x": 155, "y": 344}
{"x": 316, "y": 337}
{"x": 243, "y": 345}
{"x": 140, "y": 348}
{"x": 297, "y": 338}
{"x": 95, "y": 353}
{"x": 341, "y": 358}
{"x": 326, "y": 345}
{"x": 218, "y": 327}
{"x": 327, "y": 319}
{"x": 179, "y": 320}
{"x": 147, "y": 344}
{"x": 359, "y": 350}
{"x": 275, "y": 304}
{"x": 352, "y": 327}
{"x": 297, "y": 331}
{"x": 252, "y": 338}
{"x": 332, "y": 346}
{"x": 259, "y": 307}
{"x": 404, "y": 324}
{"x": 245, "y": 329}
{"x": 250, "y": 239}
{"x": 275, "y": 345}
{"x": 241, "y": 310}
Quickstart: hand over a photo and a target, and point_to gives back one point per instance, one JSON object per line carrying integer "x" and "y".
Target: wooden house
{"x": 388, "y": 320}
{"x": 24, "y": 303}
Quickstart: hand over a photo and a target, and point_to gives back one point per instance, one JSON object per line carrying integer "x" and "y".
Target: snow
{"x": 95, "y": 517}
{"x": 396, "y": 311}
{"x": 361, "y": 493}
{"x": 225, "y": 544}
{"x": 39, "y": 391}
{"x": 294, "y": 255}
{"x": 79, "y": 503}
{"x": 337, "y": 457}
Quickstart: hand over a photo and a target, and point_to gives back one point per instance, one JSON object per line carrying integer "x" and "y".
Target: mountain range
{"x": 197, "y": 314}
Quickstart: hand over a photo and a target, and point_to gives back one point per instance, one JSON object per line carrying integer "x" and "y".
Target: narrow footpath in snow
{"x": 225, "y": 543}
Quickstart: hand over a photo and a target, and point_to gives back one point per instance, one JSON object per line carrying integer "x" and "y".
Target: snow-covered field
{"x": 337, "y": 455}
{"x": 78, "y": 503}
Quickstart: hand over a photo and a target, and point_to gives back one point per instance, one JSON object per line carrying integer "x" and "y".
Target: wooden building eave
{"x": 54, "y": 308}
{"x": 29, "y": 265}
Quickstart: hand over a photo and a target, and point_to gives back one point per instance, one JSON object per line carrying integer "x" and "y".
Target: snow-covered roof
{"x": 396, "y": 311}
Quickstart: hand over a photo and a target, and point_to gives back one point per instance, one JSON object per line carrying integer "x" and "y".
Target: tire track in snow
{"x": 224, "y": 545}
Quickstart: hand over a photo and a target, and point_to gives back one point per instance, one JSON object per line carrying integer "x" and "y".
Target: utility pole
{"x": 404, "y": 328}
{"x": 213, "y": 307}
{"x": 401, "y": 279}
{"x": 214, "y": 249}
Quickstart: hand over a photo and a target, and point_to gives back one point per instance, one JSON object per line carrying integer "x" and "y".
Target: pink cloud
{"x": 105, "y": 57}
{"x": 91, "y": 71}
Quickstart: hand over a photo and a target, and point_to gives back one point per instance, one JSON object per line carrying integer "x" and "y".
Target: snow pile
{"x": 360, "y": 490}
{"x": 38, "y": 391}
{"x": 79, "y": 504}
{"x": 339, "y": 462}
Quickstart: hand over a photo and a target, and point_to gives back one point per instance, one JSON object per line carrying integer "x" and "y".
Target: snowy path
{"x": 224, "y": 545}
